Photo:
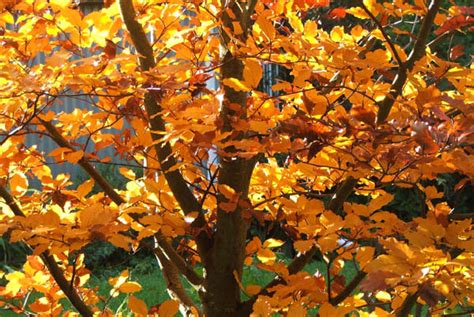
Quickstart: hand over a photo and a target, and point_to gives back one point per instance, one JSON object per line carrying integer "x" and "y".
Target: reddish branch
{"x": 172, "y": 283}
{"x": 225, "y": 259}
{"x": 347, "y": 291}
{"x": 182, "y": 193}
{"x": 62, "y": 142}
{"x": 51, "y": 263}
{"x": 416, "y": 54}
{"x": 463, "y": 216}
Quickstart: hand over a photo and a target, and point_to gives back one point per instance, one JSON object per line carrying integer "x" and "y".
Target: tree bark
{"x": 225, "y": 262}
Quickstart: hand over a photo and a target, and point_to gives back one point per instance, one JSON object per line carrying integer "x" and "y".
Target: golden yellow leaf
{"x": 127, "y": 173}
{"x": 130, "y": 287}
{"x": 236, "y": 84}
{"x": 273, "y": 243}
{"x": 383, "y": 296}
{"x": 266, "y": 256}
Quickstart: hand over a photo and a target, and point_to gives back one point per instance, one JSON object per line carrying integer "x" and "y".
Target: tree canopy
{"x": 375, "y": 96}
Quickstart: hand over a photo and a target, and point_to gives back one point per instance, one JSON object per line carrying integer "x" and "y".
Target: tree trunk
{"x": 225, "y": 261}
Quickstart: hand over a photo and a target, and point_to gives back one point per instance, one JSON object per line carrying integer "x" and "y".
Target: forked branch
{"x": 171, "y": 253}
{"x": 299, "y": 262}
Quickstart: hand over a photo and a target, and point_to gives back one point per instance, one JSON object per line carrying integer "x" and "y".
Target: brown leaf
{"x": 376, "y": 281}
{"x": 363, "y": 114}
{"x": 456, "y": 52}
{"x": 314, "y": 149}
{"x": 110, "y": 49}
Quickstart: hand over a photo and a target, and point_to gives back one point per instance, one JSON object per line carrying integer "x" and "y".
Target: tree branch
{"x": 342, "y": 193}
{"x": 299, "y": 262}
{"x": 173, "y": 282}
{"x": 177, "y": 260}
{"x": 174, "y": 262}
{"x": 416, "y": 54}
{"x": 384, "y": 34}
{"x": 226, "y": 257}
{"x": 174, "y": 257}
{"x": 176, "y": 182}
{"x": 410, "y": 300}
{"x": 51, "y": 264}
{"x": 461, "y": 216}
{"x": 349, "y": 288}
{"x": 182, "y": 193}
{"x": 467, "y": 312}
{"x": 93, "y": 173}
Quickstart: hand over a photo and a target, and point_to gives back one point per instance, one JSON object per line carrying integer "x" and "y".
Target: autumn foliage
{"x": 373, "y": 100}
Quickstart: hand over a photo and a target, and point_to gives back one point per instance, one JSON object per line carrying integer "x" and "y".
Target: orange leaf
{"x": 74, "y": 157}
{"x": 252, "y": 72}
{"x": 137, "y": 306}
{"x": 253, "y": 289}
{"x": 169, "y": 308}
{"x": 85, "y": 188}
{"x": 127, "y": 173}
{"x": 58, "y": 153}
{"x": 228, "y": 207}
{"x": 226, "y": 190}
{"x": 303, "y": 246}
{"x": 18, "y": 184}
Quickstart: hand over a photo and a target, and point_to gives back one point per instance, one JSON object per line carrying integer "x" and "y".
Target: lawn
{"x": 148, "y": 274}
{"x": 154, "y": 289}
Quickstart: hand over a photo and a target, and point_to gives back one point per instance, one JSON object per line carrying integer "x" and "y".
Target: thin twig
{"x": 384, "y": 34}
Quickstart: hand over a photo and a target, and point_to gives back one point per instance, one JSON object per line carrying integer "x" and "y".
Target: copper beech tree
{"x": 374, "y": 99}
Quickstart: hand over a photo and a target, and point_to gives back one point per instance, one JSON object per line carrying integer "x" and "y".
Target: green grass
{"x": 153, "y": 292}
